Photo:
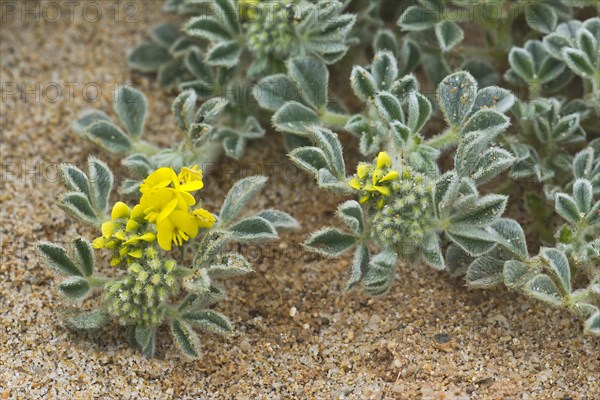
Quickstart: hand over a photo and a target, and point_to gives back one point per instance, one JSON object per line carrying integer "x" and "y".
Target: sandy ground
{"x": 338, "y": 345}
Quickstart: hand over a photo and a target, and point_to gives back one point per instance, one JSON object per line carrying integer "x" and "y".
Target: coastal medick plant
{"x": 144, "y": 285}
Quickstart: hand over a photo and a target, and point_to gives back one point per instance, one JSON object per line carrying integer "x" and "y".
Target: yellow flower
{"x": 161, "y": 178}
{"x": 374, "y": 181}
{"x": 205, "y": 218}
{"x": 190, "y": 179}
{"x": 178, "y": 227}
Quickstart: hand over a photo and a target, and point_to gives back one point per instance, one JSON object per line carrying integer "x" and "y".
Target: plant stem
{"x": 97, "y": 281}
{"x": 334, "y": 119}
{"x": 141, "y": 146}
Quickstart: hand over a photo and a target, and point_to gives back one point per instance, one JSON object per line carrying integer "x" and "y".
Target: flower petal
{"x": 354, "y": 184}
{"x": 167, "y": 210}
{"x": 383, "y": 160}
{"x": 120, "y": 210}
{"x": 390, "y": 176}
{"x": 363, "y": 169}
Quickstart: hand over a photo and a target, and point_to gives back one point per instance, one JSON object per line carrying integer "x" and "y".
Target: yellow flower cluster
{"x": 374, "y": 181}
{"x": 165, "y": 204}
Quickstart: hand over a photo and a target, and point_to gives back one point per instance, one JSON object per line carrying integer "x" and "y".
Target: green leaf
{"x": 239, "y": 195}
{"x": 210, "y": 245}
{"x": 55, "y": 257}
{"x": 310, "y": 159}
{"x": 78, "y": 207}
{"x": 417, "y": 18}
{"x": 381, "y": 273}
{"x": 330, "y": 242}
{"x": 207, "y": 28}
{"x": 516, "y": 274}
{"x": 145, "y": 337}
{"x": 389, "y": 107}
{"x": 385, "y": 39}
{"x": 511, "y": 237}
{"x": 227, "y": 12}
{"x": 432, "y": 251}
{"x": 448, "y": 34}
{"x": 183, "y": 109}
{"x": 274, "y": 91}
{"x": 410, "y": 54}
{"x": 131, "y": 105}
{"x": 74, "y": 179}
{"x": 227, "y": 265}
{"x": 485, "y": 272}
{"x": 165, "y": 34}
{"x": 312, "y": 78}
{"x": 86, "y": 118}
{"x": 210, "y": 109}
{"x": 592, "y": 325}
{"x": 295, "y": 118}
{"x": 224, "y": 54}
{"x": 109, "y": 136}
{"x": 205, "y": 299}
{"x": 194, "y": 61}
{"x": 326, "y": 181}
{"x": 74, "y": 287}
{"x": 280, "y": 220}
{"x": 589, "y": 45}
{"x": 492, "y": 163}
{"x": 583, "y": 193}
{"x": 557, "y": 264}
{"x": 419, "y": 111}
{"x": 185, "y": 338}
{"x": 543, "y": 288}
{"x": 578, "y": 62}
{"x": 457, "y": 260}
{"x": 351, "y": 214}
{"x": 551, "y": 69}
{"x": 84, "y": 255}
{"x": 400, "y": 133}
{"x": 88, "y": 320}
{"x": 485, "y": 211}
{"x": 148, "y": 57}
{"x": 522, "y": 63}
{"x": 474, "y": 241}
{"x": 101, "y": 182}
{"x": 488, "y": 122}
{"x": 328, "y": 141}
{"x": 565, "y": 206}
{"x": 209, "y": 321}
{"x": 363, "y": 84}
{"x": 253, "y": 229}
{"x": 541, "y": 17}
{"x": 456, "y": 96}
{"x": 360, "y": 265}
{"x": 494, "y": 97}
{"x": 170, "y": 73}
{"x": 384, "y": 69}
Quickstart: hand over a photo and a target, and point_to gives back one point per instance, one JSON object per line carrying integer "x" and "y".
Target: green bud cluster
{"x": 403, "y": 219}
{"x": 271, "y": 34}
{"x": 141, "y": 297}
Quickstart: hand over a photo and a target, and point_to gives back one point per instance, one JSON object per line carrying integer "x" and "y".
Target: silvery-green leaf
{"x": 488, "y": 122}
{"x": 207, "y": 28}
{"x": 448, "y": 34}
{"x": 239, "y": 195}
{"x": 389, "y": 107}
{"x": 404, "y": 86}
{"x": 194, "y": 61}
{"x": 109, "y": 136}
{"x": 74, "y": 179}
{"x": 88, "y": 320}
{"x": 491, "y": 163}
{"x": 432, "y": 251}
{"x": 226, "y": 11}
{"x": 456, "y": 96}
{"x": 165, "y": 34}
{"x": 138, "y": 164}
{"x": 209, "y": 321}
{"x": 419, "y": 111}
{"x": 74, "y": 287}
{"x": 130, "y": 105}
{"x": 565, "y": 206}
{"x": 183, "y": 109}
{"x": 557, "y": 264}
{"x": 55, "y": 257}
{"x": 445, "y": 192}
{"x": 550, "y": 69}
{"x": 363, "y": 84}
{"x": 224, "y": 54}
{"x": 410, "y": 57}
{"x": 148, "y": 57}
{"x": 170, "y": 73}
{"x": 210, "y": 109}
{"x": 253, "y": 229}
{"x": 416, "y": 18}
{"x": 185, "y": 338}
{"x": 589, "y": 45}
{"x": 522, "y": 63}
{"x": 295, "y": 118}
{"x": 330, "y": 242}
{"x": 541, "y": 17}
{"x": 434, "y": 5}
{"x": 101, "y": 182}
{"x": 457, "y": 260}
{"x": 474, "y": 241}
{"x": 233, "y": 145}
{"x": 84, "y": 256}
{"x": 578, "y": 62}
{"x": 351, "y": 213}
{"x": 583, "y": 195}
{"x": 385, "y": 39}
{"x": 592, "y": 324}
{"x": 77, "y": 206}
{"x": 312, "y": 78}
{"x": 495, "y": 98}
{"x": 211, "y": 244}
{"x": 328, "y": 141}
{"x": 543, "y": 288}
{"x": 510, "y": 236}
{"x": 485, "y": 272}
{"x": 565, "y": 127}
{"x": 516, "y": 274}
{"x": 274, "y": 91}
{"x": 310, "y": 159}
{"x": 86, "y": 118}
{"x": 145, "y": 338}
{"x": 384, "y": 69}
{"x": 327, "y": 181}
{"x": 555, "y": 43}
{"x": 380, "y": 274}
{"x": 593, "y": 216}
{"x": 400, "y": 133}
{"x": 280, "y": 220}
{"x": 196, "y": 301}
{"x": 227, "y": 265}
{"x": 485, "y": 211}
{"x": 360, "y": 265}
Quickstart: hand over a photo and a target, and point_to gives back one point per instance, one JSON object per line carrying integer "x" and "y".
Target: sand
{"x": 297, "y": 334}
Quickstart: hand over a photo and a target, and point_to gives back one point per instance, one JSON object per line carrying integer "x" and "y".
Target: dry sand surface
{"x": 298, "y": 335}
